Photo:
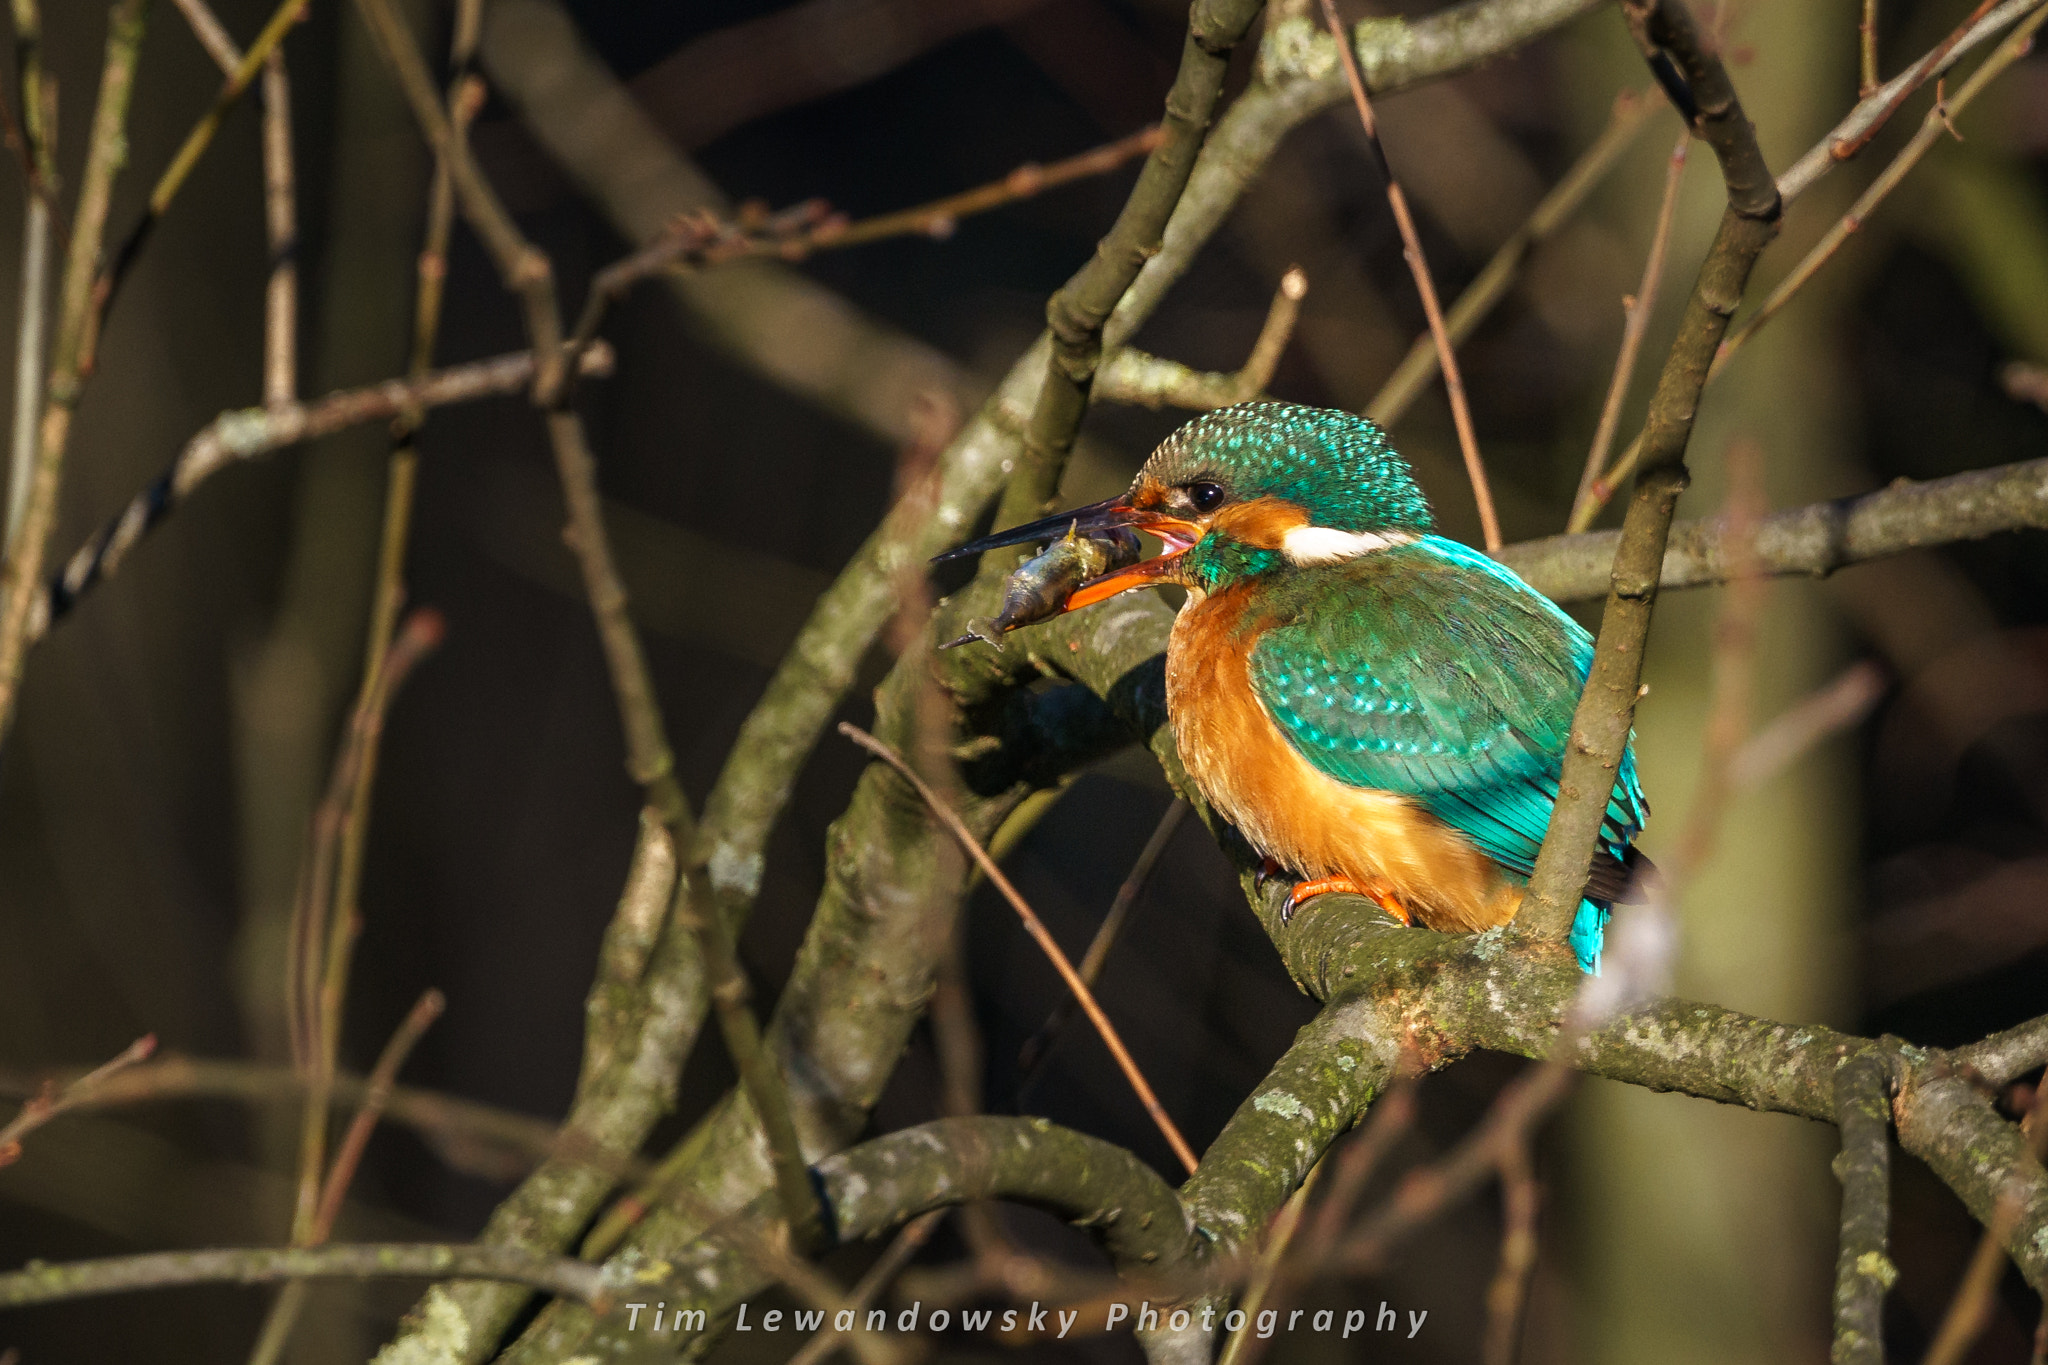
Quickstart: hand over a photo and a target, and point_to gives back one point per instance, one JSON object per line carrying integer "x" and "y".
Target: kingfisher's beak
{"x": 1177, "y": 533}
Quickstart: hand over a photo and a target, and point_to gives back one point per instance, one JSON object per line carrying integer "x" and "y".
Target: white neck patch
{"x": 1310, "y": 545}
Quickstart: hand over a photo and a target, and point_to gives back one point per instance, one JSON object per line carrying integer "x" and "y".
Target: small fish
{"x": 1039, "y": 588}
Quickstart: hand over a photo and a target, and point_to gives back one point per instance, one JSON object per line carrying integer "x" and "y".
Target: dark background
{"x": 1896, "y": 882}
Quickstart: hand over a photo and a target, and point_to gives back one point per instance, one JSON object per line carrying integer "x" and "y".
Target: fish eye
{"x": 1205, "y": 497}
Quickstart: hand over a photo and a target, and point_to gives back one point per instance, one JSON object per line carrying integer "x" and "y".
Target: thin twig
{"x": 473, "y": 1138}
{"x": 376, "y": 1099}
{"x": 702, "y": 239}
{"x": 1842, "y": 147}
{"x": 1039, "y": 933}
{"x": 72, "y": 357}
{"x": 281, "y": 222}
{"x": 886, "y": 1268}
{"x": 401, "y": 467}
{"x": 212, "y": 34}
{"x": 1835, "y": 705}
{"x": 248, "y": 433}
{"x": 1863, "y": 1266}
{"x": 1630, "y": 116}
{"x": 285, "y": 1310}
{"x": 237, "y": 83}
{"x": 1272, "y": 1255}
{"x": 1636, "y": 310}
{"x": 1602, "y": 722}
{"x": 1733, "y": 663}
{"x": 1508, "y": 1296}
{"x": 322, "y": 942}
{"x": 50, "y": 1101}
{"x": 28, "y": 361}
{"x": 1866, "y": 33}
{"x": 337, "y": 1261}
{"x": 1418, "y": 266}
{"x": 1031, "y": 1056}
{"x": 1129, "y": 375}
{"x": 280, "y": 212}
{"x": 1932, "y": 129}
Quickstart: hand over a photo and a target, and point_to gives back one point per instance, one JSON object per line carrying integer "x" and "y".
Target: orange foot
{"x": 1324, "y": 886}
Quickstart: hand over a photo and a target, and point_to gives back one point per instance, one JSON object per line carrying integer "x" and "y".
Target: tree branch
{"x": 1863, "y": 1269}
{"x": 1606, "y": 710}
{"x": 72, "y": 357}
{"x": 267, "y": 1265}
{"x": 1813, "y": 540}
{"x": 1077, "y": 312}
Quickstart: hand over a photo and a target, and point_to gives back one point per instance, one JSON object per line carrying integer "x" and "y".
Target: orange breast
{"x": 1307, "y": 821}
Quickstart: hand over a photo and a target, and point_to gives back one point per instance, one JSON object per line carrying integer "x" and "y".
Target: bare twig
{"x": 212, "y": 34}
{"x": 1508, "y": 1295}
{"x": 1039, "y": 1045}
{"x": 322, "y": 942}
{"x": 281, "y": 221}
{"x": 284, "y": 1311}
{"x": 108, "y": 283}
{"x": 886, "y": 1268}
{"x": 1970, "y": 1310}
{"x": 1039, "y": 933}
{"x": 1734, "y": 666}
{"x": 1632, "y": 109}
{"x": 1606, "y": 709}
{"x": 34, "y": 141}
{"x": 1932, "y": 129}
{"x": 1130, "y": 376}
{"x": 1836, "y": 705}
{"x": 28, "y": 361}
{"x": 1078, "y": 310}
{"x": 1863, "y": 1266}
{"x": 1866, "y": 33}
{"x": 1842, "y": 147}
{"x": 471, "y": 1137}
{"x": 1418, "y": 266}
{"x": 72, "y": 359}
{"x": 249, "y": 433}
{"x": 1636, "y": 310}
{"x": 388, "y": 594}
{"x": 1279, "y": 1239}
{"x": 280, "y": 212}
{"x": 267, "y": 1265}
{"x": 50, "y": 1101}
{"x": 703, "y": 239}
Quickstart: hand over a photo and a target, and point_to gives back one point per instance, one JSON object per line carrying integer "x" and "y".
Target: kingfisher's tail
{"x": 1589, "y": 932}
{"x": 1629, "y": 879}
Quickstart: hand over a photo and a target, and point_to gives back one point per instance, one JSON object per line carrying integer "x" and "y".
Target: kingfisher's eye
{"x": 1206, "y": 497}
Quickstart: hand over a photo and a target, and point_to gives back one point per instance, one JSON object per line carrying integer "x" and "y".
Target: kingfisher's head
{"x": 1248, "y": 490}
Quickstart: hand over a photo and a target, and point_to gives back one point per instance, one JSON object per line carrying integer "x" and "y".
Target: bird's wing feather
{"x": 1432, "y": 672}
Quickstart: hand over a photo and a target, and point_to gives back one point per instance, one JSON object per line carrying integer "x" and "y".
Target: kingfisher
{"x": 1379, "y": 710}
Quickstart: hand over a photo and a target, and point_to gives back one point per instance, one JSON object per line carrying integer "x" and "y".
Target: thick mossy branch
{"x": 1606, "y": 710}
{"x": 875, "y": 1187}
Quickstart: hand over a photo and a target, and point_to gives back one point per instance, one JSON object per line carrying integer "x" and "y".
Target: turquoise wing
{"x": 1433, "y": 672}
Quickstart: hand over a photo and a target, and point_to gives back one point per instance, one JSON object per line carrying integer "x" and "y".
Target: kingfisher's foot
{"x": 1326, "y": 886}
{"x": 1269, "y": 868}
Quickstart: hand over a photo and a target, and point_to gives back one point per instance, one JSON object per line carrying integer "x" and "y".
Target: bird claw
{"x": 1328, "y": 886}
